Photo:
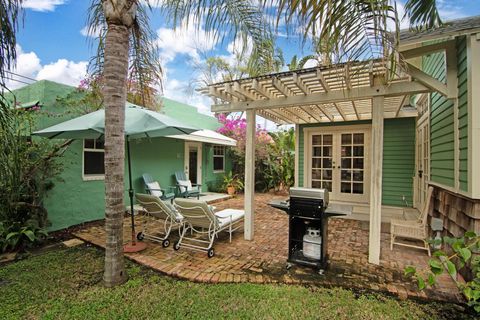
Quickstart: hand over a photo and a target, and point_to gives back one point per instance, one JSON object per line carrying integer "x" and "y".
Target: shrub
{"x": 464, "y": 253}
{"x": 26, "y": 174}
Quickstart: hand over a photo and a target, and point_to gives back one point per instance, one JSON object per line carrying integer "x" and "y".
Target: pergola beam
{"x": 360, "y": 93}
{"x": 325, "y": 113}
{"x": 427, "y": 80}
{"x": 400, "y": 105}
{"x": 257, "y": 87}
{"x": 428, "y": 49}
{"x": 322, "y": 80}
{"x": 277, "y": 84}
{"x": 300, "y": 84}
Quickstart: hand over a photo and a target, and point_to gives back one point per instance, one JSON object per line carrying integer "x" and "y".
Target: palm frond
{"x": 221, "y": 18}
{"x": 422, "y": 14}
{"x": 145, "y": 71}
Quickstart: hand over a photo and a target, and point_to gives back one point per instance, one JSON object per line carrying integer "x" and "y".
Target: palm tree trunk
{"x": 115, "y": 73}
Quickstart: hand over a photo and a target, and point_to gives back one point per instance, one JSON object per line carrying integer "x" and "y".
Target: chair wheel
{"x": 176, "y": 246}
{"x": 140, "y": 236}
{"x": 210, "y": 252}
{"x": 165, "y": 243}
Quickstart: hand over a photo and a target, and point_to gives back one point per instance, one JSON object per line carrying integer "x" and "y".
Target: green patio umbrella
{"x": 139, "y": 123}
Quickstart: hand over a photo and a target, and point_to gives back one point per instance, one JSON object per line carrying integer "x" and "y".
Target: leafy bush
{"x": 231, "y": 180}
{"x": 274, "y": 154}
{"x": 465, "y": 252}
{"x": 26, "y": 174}
{"x": 279, "y": 172}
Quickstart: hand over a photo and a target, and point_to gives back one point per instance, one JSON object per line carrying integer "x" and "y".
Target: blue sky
{"x": 52, "y": 45}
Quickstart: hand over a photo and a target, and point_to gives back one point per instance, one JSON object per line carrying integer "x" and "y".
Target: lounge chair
{"x": 200, "y": 218}
{"x": 413, "y": 229}
{"x": 153, "y": 187}
{"x": 185, "y": 187}
{"x": 162, "y": 210}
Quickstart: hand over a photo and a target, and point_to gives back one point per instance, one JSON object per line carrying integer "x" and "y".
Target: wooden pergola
{"x": 366, "y": 90}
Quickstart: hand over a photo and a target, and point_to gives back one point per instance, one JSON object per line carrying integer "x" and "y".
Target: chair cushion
{"x": 224, "y": 216}
{"x": 178, "y": 215}
{"x": 185, "y": 183}
{"x": 154, "y": 189}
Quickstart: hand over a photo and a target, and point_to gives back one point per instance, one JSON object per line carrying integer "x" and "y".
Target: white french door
{"x": 337, "y": 160}
{"x": 193, "y": 161}
{"x": 422, "y": 152}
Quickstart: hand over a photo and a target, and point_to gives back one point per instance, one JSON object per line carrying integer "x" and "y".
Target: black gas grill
{"x": 307, "y": 233}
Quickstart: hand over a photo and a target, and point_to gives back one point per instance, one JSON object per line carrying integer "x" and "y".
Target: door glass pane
{"x": 346, "y": 139}
{"x": 358, "y": 138}
{"x": 327, "y": 151}
{"x": 358, "y": 175}
{"x": 346, "y": 187}
{"x": 346, "y": 175}
{"x": 358, "y": 151}
{"x": 346, "y": 151}
{"x": 358, "y": 188}
{"x": 352, "y": 163}
{"x": 327, "y": 139}
{"x": 322, "y": 162}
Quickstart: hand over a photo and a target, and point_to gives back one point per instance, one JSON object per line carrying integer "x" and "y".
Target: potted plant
{"x": 232, "y": 183}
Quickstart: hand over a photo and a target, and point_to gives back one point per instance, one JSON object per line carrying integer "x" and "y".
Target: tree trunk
{"x": 115, "y": 75}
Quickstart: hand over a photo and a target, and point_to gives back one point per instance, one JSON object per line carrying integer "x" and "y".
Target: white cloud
{"x": 42, "y": 5}
{"x": 449, "y": 11}
{"x": 177, "y": 90}
{"x": 29, "y": 65}
{"x": 64, "y": 71}
{"x": 189, "y": 39}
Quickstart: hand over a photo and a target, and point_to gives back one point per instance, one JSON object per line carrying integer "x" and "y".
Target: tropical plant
{"x": 279, "y": 172}
{"x": 465, "y": 252}
{"x": 19, "y": 236}
{"x": 29, "y": 167}
{"x": 126, "y": 51}
{"x": 233, "y": 181}
{"x": 236, "y": 128}
{"x": 299, "y": 63}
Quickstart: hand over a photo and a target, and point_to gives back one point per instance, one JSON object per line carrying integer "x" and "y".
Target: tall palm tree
{"x": 126, "y": 48}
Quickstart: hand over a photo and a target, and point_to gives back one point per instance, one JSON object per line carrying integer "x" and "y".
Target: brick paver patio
{"x": 263, "y": 260}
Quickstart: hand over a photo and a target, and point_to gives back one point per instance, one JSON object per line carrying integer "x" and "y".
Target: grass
{"x": 67, "y": 284}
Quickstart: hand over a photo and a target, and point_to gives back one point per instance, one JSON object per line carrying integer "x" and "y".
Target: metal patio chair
{"x": 200, "y": 219}
{"x": 163, "y": 211}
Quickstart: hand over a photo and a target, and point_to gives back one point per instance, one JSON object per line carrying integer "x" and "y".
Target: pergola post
{"x": 249, "y": 176}
{"x": 376, "y": 180}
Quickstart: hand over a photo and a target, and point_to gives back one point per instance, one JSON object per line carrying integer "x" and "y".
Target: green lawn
{"x": 66, "y": 284}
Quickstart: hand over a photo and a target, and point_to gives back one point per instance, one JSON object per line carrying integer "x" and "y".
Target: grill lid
{"x": 310, "y": 193}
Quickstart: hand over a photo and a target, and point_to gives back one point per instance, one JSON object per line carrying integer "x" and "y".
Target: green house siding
{"x": 73, "y": 200}
{"x": 398, "y": 161}
{"x": 441, "y": 125}
{"x": 462, "y": 112}
{"x": 398, "y": 158}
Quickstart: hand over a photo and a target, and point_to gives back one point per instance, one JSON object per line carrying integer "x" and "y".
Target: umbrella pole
{"x": 133, "y": 246}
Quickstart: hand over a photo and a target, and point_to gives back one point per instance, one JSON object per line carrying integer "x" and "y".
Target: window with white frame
{"x": 93, "y": 159}
{"x": 218, "y": 158}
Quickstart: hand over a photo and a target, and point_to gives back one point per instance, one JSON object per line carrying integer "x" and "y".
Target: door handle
{"x": 420, "y": 173}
